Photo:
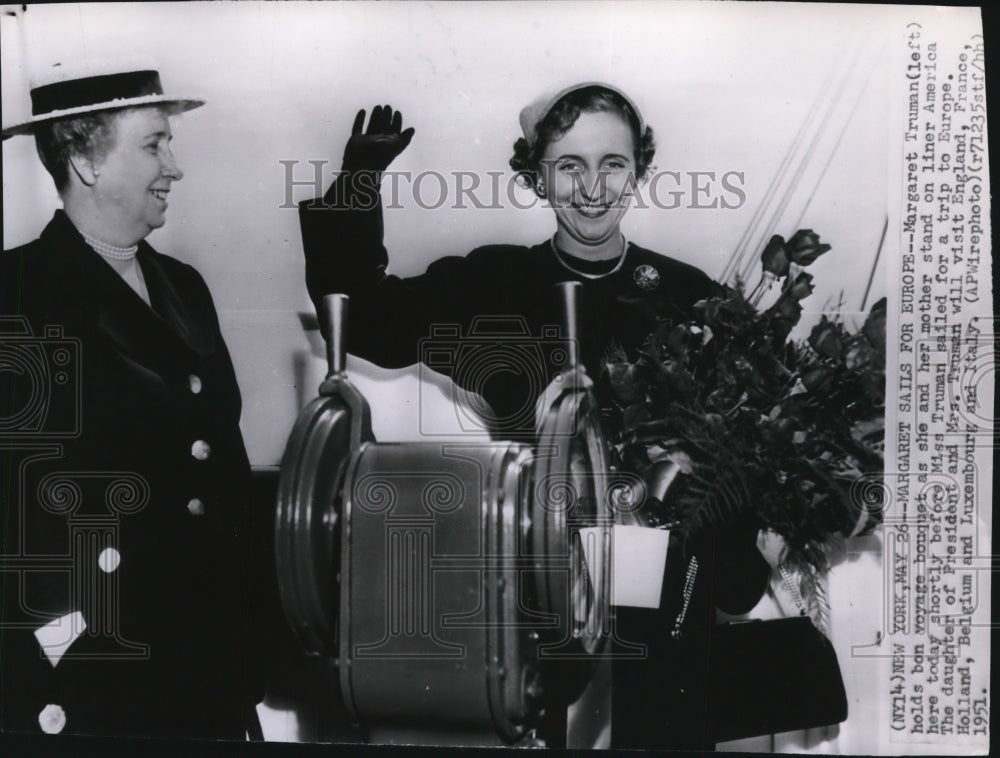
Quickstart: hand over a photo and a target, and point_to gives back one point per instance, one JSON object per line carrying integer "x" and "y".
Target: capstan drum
{"x": 458, "y": 586}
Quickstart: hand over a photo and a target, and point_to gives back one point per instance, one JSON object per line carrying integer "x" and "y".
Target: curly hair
{"x": 527, "y": 159}
{"x": 90, "y": 136}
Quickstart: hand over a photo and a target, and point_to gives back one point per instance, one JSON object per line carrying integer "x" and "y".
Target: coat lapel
{"x": 156, "y": 342}
{"x": 173, "y": 307}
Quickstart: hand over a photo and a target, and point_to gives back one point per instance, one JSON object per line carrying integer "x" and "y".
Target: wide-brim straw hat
{"x": 67, "y": 93}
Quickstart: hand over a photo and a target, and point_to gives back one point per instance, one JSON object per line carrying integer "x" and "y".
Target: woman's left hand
{"x": 772, "y": 546}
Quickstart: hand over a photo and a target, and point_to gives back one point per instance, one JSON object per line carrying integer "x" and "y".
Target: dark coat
{"x": 121, "y": 436}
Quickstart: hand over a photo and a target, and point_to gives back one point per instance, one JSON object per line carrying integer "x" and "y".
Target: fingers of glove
{"x": 375, "y": 122}
{"x": 359, "y": 122}
{"x": 379, "y": 125}
{"x": 404, "y": 138}
{"x": 385, "y": 123}
{"x": 397, "y": 123}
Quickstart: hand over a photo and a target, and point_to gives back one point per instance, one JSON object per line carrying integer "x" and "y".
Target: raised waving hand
{"x": 374, "y": 148}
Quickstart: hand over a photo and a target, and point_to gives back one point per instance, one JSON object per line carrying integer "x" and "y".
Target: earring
{"x": 96, "y": 172}
{"x": 540, "y": 188}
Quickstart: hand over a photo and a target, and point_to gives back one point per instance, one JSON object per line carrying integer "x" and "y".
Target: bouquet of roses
{"x": 788, "y": 432}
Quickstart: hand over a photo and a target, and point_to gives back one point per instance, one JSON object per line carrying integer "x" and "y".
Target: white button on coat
{"x": 201, "y": 450}
{"x": 196, "y": 507}
{"x": 52, "y": 719}
{"x": 109, "y": 559}
{"x": 194, "y": 383}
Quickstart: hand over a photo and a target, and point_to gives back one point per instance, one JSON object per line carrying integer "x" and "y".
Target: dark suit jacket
{"x": 125, "y": 497}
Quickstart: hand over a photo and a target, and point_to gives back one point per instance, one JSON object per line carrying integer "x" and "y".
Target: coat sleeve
{"x": 739, "y": 572}
{"x": 342, "y": 237}
{"x": 389, "y": 316}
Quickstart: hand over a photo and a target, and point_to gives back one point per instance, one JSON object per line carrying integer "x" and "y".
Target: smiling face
{"x": 133, "y": 178}
{"x": 589, "y": 175}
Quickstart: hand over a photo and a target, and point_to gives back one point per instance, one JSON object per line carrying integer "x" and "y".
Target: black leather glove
{"x": 376, "y": 148}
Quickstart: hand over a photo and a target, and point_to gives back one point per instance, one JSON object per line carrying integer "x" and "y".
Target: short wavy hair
{"x": 91, "y": 135}
{"x": 527, "y": 159}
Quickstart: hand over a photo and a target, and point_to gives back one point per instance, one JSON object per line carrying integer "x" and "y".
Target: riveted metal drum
{"x": 434, "y": 576}
{"x": 460, "y": 586}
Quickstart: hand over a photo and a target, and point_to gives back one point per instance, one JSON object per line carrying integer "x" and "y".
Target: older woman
{"x": 584, "y": 150}
{"x": 134, "y": 569}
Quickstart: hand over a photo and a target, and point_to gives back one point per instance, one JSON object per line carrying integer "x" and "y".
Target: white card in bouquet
{"x": 638, "y": 560}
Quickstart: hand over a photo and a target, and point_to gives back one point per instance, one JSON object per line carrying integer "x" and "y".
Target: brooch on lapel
{"x": 647, "y": 277}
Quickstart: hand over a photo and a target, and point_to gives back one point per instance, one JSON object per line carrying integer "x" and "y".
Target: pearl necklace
{"x": 113, "y": 252}
{"x": 586, "y": 274}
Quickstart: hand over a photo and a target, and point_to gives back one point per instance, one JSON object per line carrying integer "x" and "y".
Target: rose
{"x": 787, "y": 307}
{"x": 804, "y": 247}
{"x": 825, "y": 339}
{"x": 874, "y": 328}
{"x": 784, "y": 315}
{"x": 801, "y": 287}
{"x": 858, "y": 354}
{"x": 775, "y": 257}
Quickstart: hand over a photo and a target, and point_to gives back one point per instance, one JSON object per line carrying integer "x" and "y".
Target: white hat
{"x": 532, "y": 115}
